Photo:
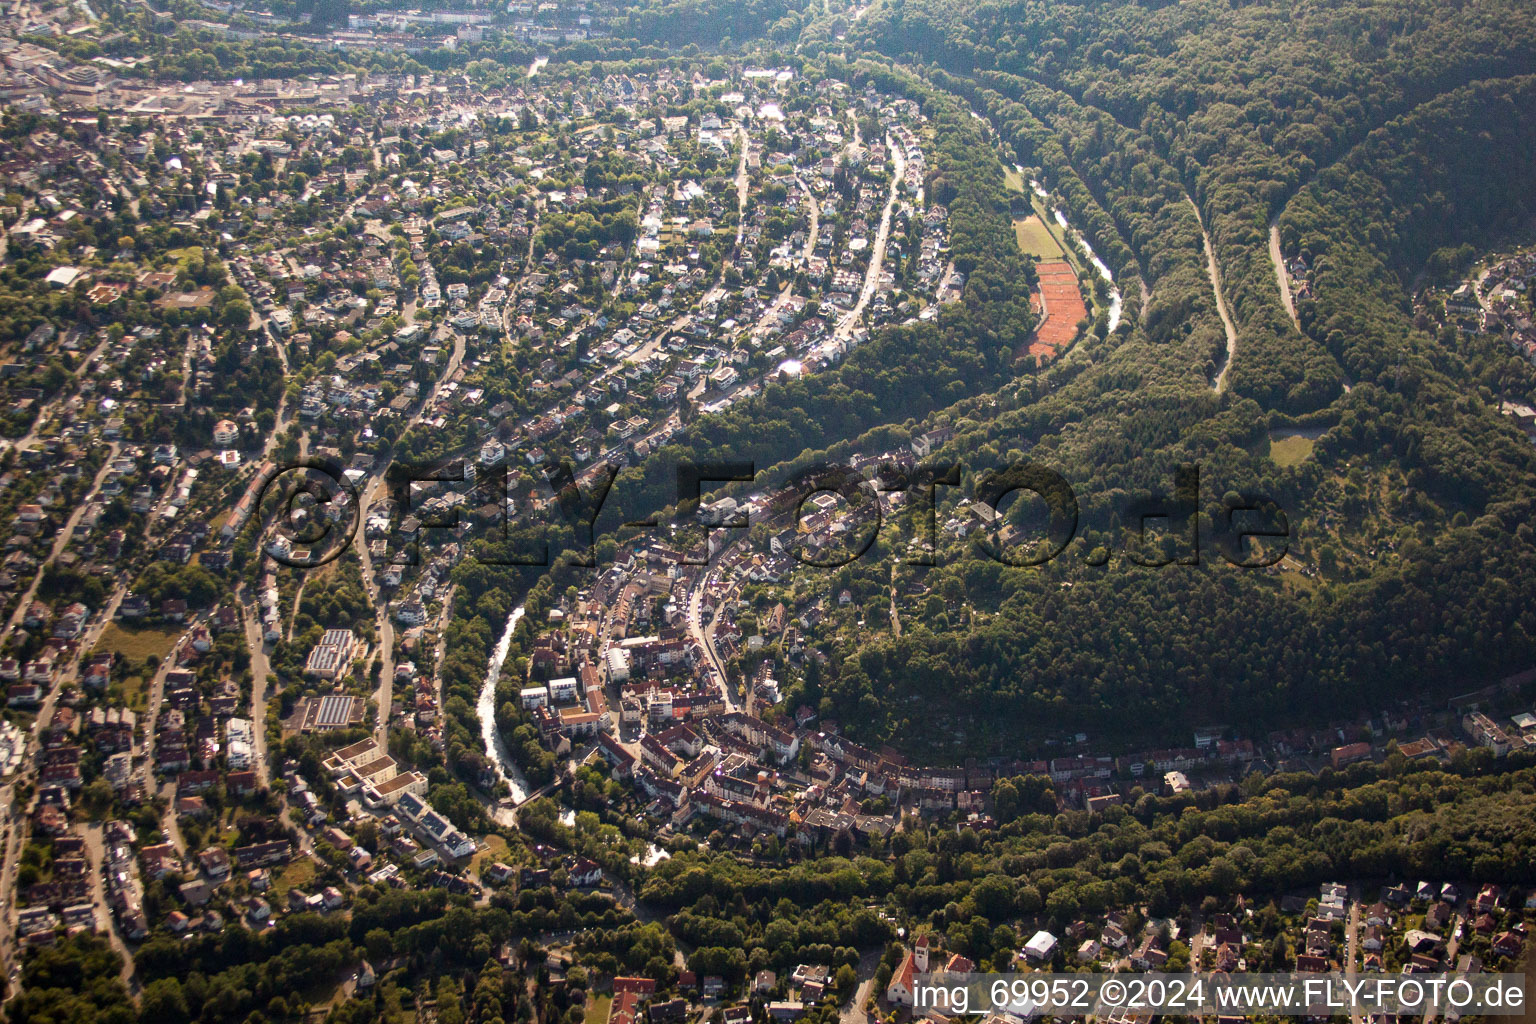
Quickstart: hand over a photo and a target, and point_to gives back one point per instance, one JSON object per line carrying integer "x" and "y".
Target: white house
{"x": 411, "y": 613}
{"x": 902, "y": 989}
{"x": 584, "y": 872}
{"x": 1040, "y": 947}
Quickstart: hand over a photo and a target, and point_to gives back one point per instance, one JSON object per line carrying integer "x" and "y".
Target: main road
{"x": 384, "y": 695}
{"x": 1352, "y": 949}
{"x": 95, "y": 848}
{"x": 877, "y": 253}
{"x": 699, "y": 632}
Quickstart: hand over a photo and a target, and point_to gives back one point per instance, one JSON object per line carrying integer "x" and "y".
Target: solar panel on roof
{"x": 333, "y": 710}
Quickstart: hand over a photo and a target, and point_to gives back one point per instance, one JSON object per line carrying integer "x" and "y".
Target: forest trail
{"x": 1282, "y": 278}
{"x": 1220, "y": 383}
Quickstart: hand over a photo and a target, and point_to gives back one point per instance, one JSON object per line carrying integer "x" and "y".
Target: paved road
{"x": 14, "y": 817}
{"x": 1352, "y": 948}
{"x": 697, "y": 631}
{"x": 261, "y": 668}
{"x": 743, "y": 184}
{"x": 60, "y": 541}
{"x": 384, "y": 695}
{"x": 704, "y": 633}
{"x": 852, "y": 1012}
{"x": 270, "y": 445}
{"x": 95, "y": 848}
{"x": 170, "y": 824}
{"x": 814, "y": 212}
{"x": 1451, "y": 946}
{"x": 151, "y": 726}
{"x": 1477, "y": 288}
{"x": 877, "y": 255}
{"x": 15, "y": 821}
{"x": 45, "y": 414}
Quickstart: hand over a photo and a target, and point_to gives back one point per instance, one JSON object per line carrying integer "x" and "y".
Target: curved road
{"x": 813, "y": 211}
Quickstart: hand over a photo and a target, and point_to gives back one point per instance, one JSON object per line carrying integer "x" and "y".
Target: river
{"x": 1093, "y": 257}
{"x": 495, "y": 749}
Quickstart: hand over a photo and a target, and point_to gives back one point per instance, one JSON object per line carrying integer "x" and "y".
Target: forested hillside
{"x": 1246, "y": 105}
{"x": 1373, "y": 137}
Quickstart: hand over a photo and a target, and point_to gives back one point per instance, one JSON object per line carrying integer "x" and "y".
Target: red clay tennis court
{"x": 1063, "y": 308}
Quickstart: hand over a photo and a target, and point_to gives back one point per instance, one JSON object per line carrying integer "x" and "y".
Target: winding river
{"x": 1093, "y": 257}
{"x": 495, "y": 748}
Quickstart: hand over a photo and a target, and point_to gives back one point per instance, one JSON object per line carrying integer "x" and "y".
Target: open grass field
{"x": 1035, "y": 238}
{"x": 297, "y": 874}
{"x": 135, "y": 692}
{"x": 495, "y": 850}
{"x": 597, "y": 1009}
{"x": 1288, "y": 451}
{"x": 1013, "y": 180}
{"x": 184, "y": 255}
{"x": 134, "y": 644}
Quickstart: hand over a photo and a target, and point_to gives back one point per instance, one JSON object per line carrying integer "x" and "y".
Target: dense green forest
{"x": 1241, "y": 106}
{"x": 677, "y": 23}
{"x": 1375, "y": 137}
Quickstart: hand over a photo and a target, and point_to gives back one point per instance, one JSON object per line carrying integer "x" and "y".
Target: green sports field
{"x": 1035, "y": 239}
